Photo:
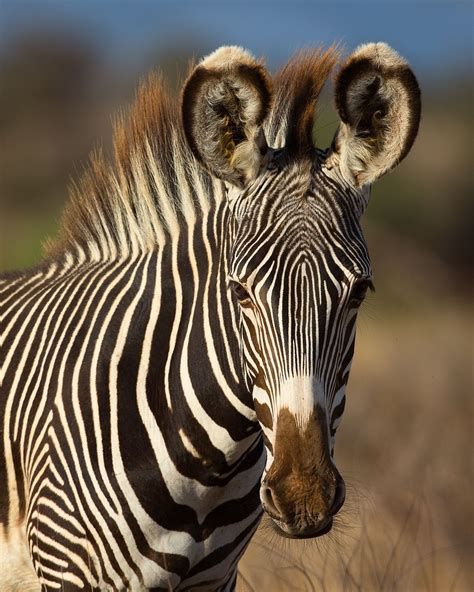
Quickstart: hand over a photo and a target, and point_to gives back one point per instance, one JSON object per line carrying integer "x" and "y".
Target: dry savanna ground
{"x": 404, "y": 448}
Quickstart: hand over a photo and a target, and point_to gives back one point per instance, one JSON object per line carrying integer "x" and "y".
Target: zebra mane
{"x": 130, "y": 205}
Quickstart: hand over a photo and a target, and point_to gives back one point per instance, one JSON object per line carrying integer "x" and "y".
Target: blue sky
{"x": 436, "y": 36}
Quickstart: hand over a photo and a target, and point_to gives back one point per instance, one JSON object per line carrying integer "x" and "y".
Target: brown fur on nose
{"x": 302, "y": 477}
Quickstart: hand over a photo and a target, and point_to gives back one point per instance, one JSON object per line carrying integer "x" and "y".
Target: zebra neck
{"x": 177, "y": 349}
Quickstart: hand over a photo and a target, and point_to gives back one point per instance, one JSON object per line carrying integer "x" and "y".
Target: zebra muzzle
{"x": 302, "y": 490}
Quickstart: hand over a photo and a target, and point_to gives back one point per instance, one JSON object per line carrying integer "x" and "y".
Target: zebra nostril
{"x": 269, "y": 503}
{"x": 339, "y": 497}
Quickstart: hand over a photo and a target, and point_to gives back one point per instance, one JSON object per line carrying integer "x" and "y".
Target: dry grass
{"x": 404, "y": 448}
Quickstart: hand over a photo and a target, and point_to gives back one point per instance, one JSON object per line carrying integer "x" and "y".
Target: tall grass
{"x": 377, "y": 551}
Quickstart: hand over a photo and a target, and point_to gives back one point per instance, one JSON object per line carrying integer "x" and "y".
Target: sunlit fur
{"x": 378, "y": 100}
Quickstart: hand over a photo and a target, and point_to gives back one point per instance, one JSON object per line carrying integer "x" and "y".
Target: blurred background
{"x": 405, "y": 444}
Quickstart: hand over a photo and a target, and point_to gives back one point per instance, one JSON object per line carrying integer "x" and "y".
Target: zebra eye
{"x": 359, "y": 292}
{"x": 239, "y": 291}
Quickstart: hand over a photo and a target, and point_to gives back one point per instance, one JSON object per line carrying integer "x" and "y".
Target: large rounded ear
{"x": 225, "y": 101}
{"x": 378, "y": 100}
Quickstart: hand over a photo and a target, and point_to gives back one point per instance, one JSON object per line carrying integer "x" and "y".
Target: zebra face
{"x": 299, "y": 270}
{"x": 297, "y": 263}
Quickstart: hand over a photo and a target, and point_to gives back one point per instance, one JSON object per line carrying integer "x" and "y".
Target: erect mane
{"x": 133, "y": 203}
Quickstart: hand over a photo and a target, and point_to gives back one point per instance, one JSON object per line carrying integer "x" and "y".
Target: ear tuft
{"x": 378, "y": 99}
{"x": 225, "y": 101}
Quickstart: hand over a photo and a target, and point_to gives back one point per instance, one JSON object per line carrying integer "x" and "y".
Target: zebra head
{"x": 297, "y": 263}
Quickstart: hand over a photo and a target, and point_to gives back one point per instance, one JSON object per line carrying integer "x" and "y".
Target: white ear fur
{"x": 378, "y": 99}
{"x": 225, "y": 100}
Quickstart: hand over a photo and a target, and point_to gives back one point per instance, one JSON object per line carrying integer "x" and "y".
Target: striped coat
{"x": 177, "y": 363}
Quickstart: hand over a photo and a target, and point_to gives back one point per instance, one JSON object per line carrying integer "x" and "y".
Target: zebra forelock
{"x": 297, "y": 86}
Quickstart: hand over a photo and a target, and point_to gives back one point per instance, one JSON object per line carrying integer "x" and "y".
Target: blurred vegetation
{"x": 406, "y": 436}
{"x": 57, "y": 103}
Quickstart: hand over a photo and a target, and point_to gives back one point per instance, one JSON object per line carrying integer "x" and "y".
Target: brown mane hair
{"x": 135, "y": 202}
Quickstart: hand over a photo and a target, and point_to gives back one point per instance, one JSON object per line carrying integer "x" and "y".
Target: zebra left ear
{"x": 224, "y": 103}
{"x": 378, "y": 99}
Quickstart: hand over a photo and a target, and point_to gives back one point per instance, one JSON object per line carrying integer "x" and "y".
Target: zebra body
{"x": 191, "y": 330}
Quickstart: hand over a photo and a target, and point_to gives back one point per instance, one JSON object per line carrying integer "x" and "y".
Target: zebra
{"x": 177, "y": 363}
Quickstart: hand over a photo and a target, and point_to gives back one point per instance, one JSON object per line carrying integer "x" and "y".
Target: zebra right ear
{"x": 378, "y": 99}
{"x": 224, "y": 103}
